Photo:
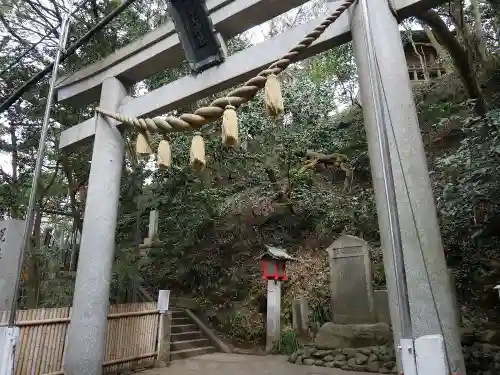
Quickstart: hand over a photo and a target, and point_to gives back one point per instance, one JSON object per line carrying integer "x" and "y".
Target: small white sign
{"x": 163, "y": 299}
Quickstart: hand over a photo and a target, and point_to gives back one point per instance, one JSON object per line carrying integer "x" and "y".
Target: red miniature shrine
{"x": 274, "y": 263}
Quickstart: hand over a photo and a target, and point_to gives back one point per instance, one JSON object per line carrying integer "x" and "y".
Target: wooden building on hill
{"x": 424, "y": 63}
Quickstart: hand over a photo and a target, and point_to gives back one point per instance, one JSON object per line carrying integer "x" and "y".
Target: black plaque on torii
{"x": 196, "y": 33}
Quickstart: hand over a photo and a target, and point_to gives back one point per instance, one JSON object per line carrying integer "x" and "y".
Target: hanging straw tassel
{"x": 164, "y": 155}
{"x": 272, "y": 96}
{"x": 142, "y": 145}
{"x": 230, "y": 127}
{"x": 197, "y": 155}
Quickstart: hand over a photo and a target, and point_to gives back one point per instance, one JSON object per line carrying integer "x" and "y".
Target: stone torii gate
{"x": 160, "y": 49}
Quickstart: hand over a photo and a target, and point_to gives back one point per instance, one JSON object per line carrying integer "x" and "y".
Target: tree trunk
{"x": 459, "y": 56}
{"x": 281, "y": 195}
{"x": 33, "y": 266}
{"x": 442, "y": 53}
{"x": 463, "y": 30}
{"x": 478, "y": 30}
{"x": 421, "y": 57}
{"x": 73, "y": 190}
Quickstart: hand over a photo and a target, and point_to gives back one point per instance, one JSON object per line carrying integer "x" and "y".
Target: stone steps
{"x": 177, "y": 328}
{"x": 186, "y": 339}
{"x": 189, "y": 344}
{"x": 188, "y": 353}
{"x": 181, "y": 320}
{"x": 182, "y": 336}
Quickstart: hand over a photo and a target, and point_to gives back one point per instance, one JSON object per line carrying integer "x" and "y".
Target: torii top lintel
{"x": 237, "y": 68}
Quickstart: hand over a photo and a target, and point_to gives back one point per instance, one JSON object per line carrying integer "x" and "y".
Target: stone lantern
{"x": 274, "y": 263}
{"x": 273, "y": 267}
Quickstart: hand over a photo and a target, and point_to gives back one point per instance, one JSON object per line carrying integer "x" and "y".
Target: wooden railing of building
{"x": 131, "y": 338}
{"x": 416, "y": 72}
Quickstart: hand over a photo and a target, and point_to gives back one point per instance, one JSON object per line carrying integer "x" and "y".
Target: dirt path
{"x": 238, "y": 364}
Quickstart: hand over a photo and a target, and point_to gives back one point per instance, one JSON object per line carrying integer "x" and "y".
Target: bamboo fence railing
{"x": 131, "y": 338}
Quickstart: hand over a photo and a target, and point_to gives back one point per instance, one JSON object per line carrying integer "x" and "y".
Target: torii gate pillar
{"x": 416, "y": 207}
{"x": 86, "y": 340}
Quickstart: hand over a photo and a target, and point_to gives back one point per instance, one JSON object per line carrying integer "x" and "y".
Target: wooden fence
{"x": 131, "y": 338}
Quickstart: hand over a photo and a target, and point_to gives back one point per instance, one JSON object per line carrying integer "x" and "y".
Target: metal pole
{"x": 39, "y": 160}
{"x": 389, "y": 186}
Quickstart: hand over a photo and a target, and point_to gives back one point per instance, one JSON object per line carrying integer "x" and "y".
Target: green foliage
{"x": 336, "y": 69}
{"x": 288, "y": 342}
{"x": 320, "y": 313}
{"x": 243, "y": 329}
{"x": 379, "y": 281}
{"x": 467, "y": 187}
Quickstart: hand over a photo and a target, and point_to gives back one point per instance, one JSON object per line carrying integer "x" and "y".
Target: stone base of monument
{"x": 369, "y": 348}
{"x": 338, "y": 336}
{"x": 351, "y": 347}
{"x": 377, "y": 359}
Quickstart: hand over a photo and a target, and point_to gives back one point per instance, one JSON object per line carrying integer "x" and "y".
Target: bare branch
{"x": 37, "y": 11}
{"x": 11, "y": 31}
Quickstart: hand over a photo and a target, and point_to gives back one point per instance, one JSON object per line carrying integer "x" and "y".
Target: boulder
{"x": 321, "y": 353}
{"x": 350, "y": 352}
{"x": 390, "y": 365}
{"x": 366, "y": 351}
{"x": 340, "y": 357}
{"x": 310, "y": 350}
{"x": 308, "y": 361}
{"x": 334, "y": 336}
{"x": 361, "y": 359}
{"x": 339, "y": 364}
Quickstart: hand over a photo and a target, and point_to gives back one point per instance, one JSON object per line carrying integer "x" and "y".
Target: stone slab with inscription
{"x": 351, "y": 281}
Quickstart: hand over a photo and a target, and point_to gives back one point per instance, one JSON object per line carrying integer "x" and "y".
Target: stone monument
{"x": 351, "y": 281}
